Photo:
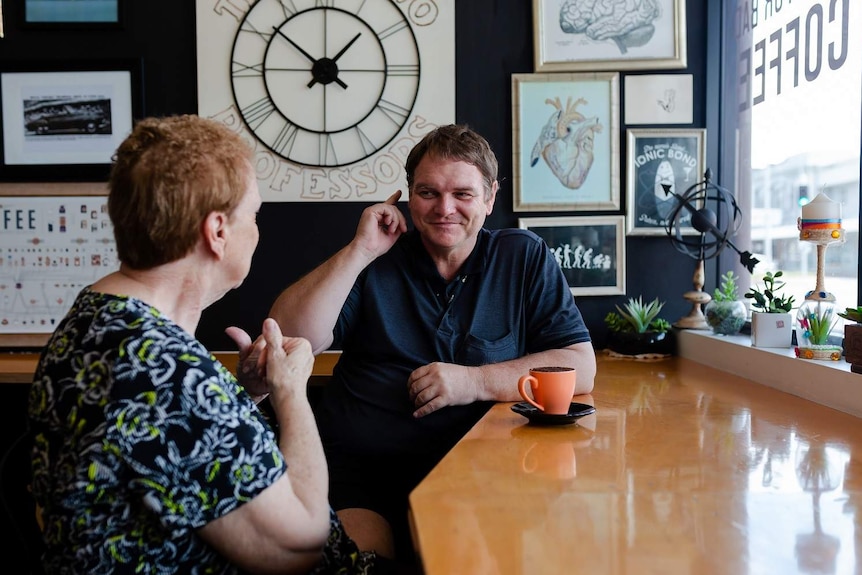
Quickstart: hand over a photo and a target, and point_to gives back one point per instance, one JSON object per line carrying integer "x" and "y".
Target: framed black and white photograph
{"x": 566, "y": 142}
{"x": 589, "y": 249}
{"x": 65, "y": 124}
{"x": 573, "y": 35}
{"x": 72, "y": 13}
{"x": 661, "y": 163}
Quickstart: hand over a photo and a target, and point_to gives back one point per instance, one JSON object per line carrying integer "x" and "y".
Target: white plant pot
{"x": 771, "y": 329}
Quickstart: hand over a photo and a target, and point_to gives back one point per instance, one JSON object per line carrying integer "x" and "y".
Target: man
{"x": 434, "y": 324}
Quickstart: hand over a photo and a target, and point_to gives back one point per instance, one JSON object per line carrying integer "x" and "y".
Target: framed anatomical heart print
{"x": 566, "y": 141}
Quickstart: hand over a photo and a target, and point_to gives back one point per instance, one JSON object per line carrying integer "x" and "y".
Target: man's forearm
{"x": 500, "y": 380}
{"x": 310, "y": 307}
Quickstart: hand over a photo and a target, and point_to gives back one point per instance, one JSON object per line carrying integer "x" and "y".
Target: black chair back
{"x": 19, "y": 507}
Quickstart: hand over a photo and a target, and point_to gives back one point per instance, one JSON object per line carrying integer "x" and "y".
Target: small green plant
{"x": 637, "y": 316}
{"x": 817, "y": 324}
{"x": 769, "y": 300}
{"x": 727, "y": 290}
{"x": 852, "y": 313}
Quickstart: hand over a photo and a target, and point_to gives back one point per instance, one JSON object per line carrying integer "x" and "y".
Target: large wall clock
{"x": 333, "y": 93}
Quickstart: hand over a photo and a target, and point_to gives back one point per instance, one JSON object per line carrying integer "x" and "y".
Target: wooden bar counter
{"x": 19, "y": 367}
{"x": 682, "y": 469}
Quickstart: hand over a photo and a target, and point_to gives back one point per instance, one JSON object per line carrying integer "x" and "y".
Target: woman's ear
{"x": 215, "y": 233}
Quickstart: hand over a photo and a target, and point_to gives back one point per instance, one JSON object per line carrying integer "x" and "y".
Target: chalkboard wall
{"x": 494, "y": 39}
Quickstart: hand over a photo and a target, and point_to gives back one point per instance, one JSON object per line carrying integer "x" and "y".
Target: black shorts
{"x": 380, "y": 484}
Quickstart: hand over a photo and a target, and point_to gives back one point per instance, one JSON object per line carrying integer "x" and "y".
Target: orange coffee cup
{"x": 552, "y": 388}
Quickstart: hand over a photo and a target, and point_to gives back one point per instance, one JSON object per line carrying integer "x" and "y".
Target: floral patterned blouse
{"x": 140, "y": 438}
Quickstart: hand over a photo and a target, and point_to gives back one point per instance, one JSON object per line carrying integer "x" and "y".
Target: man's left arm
{"x": 437, "y": 385}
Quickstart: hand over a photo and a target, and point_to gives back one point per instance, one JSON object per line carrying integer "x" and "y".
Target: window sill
{"x": 829, "y": 383}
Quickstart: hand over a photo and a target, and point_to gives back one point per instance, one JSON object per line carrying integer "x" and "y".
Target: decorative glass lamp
{"x": 820, "y": 224}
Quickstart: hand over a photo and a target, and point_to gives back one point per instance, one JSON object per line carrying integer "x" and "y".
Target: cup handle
{"x": 533, "y": 383}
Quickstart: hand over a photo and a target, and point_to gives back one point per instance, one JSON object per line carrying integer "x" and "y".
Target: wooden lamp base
{"x": 698, "y": 298}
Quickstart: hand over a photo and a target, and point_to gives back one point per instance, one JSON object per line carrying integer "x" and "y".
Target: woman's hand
{"x": 251, "y": 367}
{"x": 289, "y": 362}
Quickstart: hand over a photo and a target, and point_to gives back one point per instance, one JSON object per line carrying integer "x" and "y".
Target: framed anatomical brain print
{"x": 582, "y": 35}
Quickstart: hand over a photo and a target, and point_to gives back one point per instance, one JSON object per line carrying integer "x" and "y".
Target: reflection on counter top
{"x": 682, "y": 469}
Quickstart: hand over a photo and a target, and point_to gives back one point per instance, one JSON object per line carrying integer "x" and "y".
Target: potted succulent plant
{"x": 635, "y": 329}
{"x": 771, "y": 322}
{"x": 726, "y": 313}
{"x": 852, "y": 313}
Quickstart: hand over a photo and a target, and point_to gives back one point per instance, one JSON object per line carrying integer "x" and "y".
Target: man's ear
{"x": 492, "y": 197}
{"x": 215, "y": 233}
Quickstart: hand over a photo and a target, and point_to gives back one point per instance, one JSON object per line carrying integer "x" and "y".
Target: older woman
{"x": 149, "y": 456}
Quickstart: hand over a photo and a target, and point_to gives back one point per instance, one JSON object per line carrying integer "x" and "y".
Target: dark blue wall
{"x": 493, "y": 41}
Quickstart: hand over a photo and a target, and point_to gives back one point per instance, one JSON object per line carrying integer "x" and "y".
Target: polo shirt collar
{"x": 475, "y": 263}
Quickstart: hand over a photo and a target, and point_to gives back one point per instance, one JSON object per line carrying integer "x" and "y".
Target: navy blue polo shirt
{"x": 509, "y": 299}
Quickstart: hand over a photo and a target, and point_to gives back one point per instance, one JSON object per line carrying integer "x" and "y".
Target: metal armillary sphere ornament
{"x": 713, "y": 212}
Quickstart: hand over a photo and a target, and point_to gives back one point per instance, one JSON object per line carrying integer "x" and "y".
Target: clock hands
{"x": 349, "y": 44}
{"x": 323, "y": 70}
{"x": 294, "y": 44}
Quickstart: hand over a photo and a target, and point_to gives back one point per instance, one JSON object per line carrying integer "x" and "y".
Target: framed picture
{"x": 658, "y": 99}
{"x": 62, "y": 121}
{"x": 72, "y": 13}
{"x": 655, "y": 159}
{"x": 589, "y": 249}
{"x": 566, "y": 142}
{"x": 572, "y": 35}
{"x": 55, "y": 238}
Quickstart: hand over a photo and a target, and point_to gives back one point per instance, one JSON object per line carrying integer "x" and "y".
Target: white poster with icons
{"x": 50, "y": 248}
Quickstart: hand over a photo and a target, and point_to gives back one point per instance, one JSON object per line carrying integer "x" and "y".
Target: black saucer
{"x": 539, "y": 417}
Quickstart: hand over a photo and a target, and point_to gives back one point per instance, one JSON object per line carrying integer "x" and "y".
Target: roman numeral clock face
{"x": 327, "y": 85}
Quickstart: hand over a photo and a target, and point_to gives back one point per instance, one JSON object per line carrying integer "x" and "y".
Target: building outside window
{"x": 791, "y": 127}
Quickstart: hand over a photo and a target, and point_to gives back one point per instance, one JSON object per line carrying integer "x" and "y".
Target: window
{"x": 791, "y": 128}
